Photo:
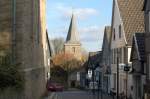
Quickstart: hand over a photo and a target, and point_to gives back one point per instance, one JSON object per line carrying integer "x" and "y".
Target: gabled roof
{"x": 145, "y": 2}
{"x": 132, "y": 17}
{"x": 139, "y": 44}
{"x": 94, "y": 59}
{"x": 108, "y": 32}
{"x": 50, "y": 45}
{"x": 107, "y": 35}
{"x": 72, "y": 36}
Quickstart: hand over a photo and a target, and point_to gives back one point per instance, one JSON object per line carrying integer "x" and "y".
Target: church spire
{"x": 72, "y": 36}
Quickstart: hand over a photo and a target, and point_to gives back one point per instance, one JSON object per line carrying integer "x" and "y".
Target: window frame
{"x": 73, "y": 49}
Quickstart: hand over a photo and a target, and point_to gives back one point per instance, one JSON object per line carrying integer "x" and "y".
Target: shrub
{"x": 10, "y": 75}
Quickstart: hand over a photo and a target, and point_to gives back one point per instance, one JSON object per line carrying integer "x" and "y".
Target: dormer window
{"x": 114, "y": 36}
{"x": 119, "y": 31}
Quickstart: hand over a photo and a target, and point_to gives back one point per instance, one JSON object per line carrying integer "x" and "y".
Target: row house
{"x": 147, "y": 47}
{"x": 105, "y": 62}
{"x": 23, "y": 35}
{"x": 93, "y": 69}
{"x": 138, "y": 65}
{"x": 127, "y": 19}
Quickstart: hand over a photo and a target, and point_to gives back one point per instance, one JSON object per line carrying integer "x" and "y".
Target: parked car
{"x": 52, "y": 86}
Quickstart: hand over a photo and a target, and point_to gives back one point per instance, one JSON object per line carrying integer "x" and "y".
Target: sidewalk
{"x": 51, "y": 96}
{"x": 73, "y": 89}
{"x": 101, "y": 96}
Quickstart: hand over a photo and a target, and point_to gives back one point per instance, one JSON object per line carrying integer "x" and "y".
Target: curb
{"x": 51, "y": 96}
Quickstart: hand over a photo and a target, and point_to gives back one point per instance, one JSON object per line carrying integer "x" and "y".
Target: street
{"x": 78, "y": 95}
{"x": 74, "y": 95}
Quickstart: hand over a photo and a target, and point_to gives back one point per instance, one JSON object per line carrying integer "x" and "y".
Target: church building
{"x": 72, "y": 44}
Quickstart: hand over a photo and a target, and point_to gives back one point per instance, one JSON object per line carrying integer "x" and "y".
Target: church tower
{"x": 72, "y": 44}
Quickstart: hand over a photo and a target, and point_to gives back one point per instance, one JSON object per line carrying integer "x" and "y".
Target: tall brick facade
{"x": 23, "y": 34}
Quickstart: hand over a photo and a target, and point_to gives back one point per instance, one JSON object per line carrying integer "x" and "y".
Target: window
{"x": 119, "y": 31}
{"x": 114, "y": 37}
{"x": 48, "y": 62}
{"x": 73, "y": 49}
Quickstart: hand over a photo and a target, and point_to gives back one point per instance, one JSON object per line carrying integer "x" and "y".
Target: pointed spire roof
{"x": 72, "y": 36}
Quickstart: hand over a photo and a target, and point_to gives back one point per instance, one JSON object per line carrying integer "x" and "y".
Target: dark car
{"x": 53, "y": 86}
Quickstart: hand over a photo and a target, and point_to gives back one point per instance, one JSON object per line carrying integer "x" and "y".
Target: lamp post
{"x": 98, "y": 84}
{"x": 117, "y": 77}
{"x": 93, "y": 74}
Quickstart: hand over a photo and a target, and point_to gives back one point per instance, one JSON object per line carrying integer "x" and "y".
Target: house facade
{"x": 138, "y": 65}
{"x": 94, "y": 66}
{"x": 127, "y": 18}
{"x": 78, "y": 78}
{"x": 23, "y": 36}
{"x": 105, "y": 62}
{"x": 48, "y": 55}
{"x": 147, "y": 47}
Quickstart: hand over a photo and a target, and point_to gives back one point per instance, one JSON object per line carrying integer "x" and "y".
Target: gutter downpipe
{"x": 14, "y": 32}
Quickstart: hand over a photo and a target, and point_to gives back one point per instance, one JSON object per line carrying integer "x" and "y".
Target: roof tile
{"x": 132, "y": 17}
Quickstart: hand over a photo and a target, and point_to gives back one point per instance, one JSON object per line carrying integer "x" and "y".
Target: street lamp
{"x": 117, "y": 75}
{"x": 117, "y": 78}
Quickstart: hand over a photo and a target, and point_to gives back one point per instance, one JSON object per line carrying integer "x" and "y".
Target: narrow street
{"x": 74, "y": 95}
{"x": 78, "y": 95}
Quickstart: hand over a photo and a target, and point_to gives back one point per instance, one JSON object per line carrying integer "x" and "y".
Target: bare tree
{"x": 58, "y": 44}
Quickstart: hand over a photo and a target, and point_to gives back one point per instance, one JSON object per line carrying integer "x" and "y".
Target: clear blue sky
{"x": 92, "y": 16}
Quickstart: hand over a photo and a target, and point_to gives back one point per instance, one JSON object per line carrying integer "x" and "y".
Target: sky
{"x": 91, "y": 15}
